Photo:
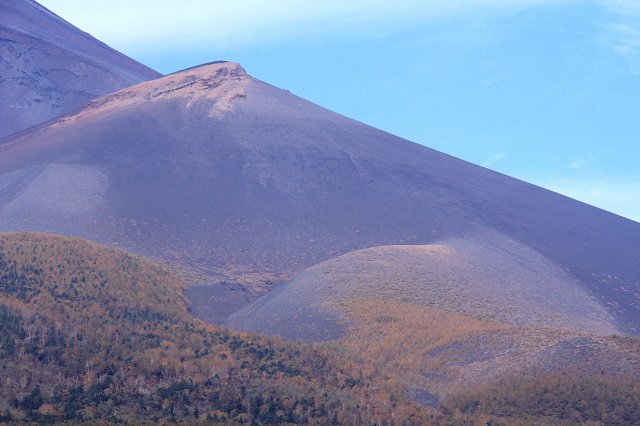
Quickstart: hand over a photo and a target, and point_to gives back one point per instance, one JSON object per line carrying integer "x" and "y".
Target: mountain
{"x": 234, "y": 179}
{"x": 230, "y": 177}
{"x": 94, "y": 335}
{"x": 488, "y": 278}
{"x": 366, "y": 279}
{"x": 50, "y": 68}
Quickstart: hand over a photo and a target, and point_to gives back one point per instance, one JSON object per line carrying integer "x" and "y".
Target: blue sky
{"x": 547, "y": 91}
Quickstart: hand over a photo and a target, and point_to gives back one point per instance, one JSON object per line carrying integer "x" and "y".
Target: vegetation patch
{"x": 554, "y": 399}
{"x": 93, "y": 334}
{"x": 396, "y": 338}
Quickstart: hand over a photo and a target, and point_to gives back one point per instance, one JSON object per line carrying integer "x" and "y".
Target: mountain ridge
{"x": 51, "y": 68}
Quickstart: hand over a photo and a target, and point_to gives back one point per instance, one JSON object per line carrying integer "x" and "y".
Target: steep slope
{"x": 213, "y": 170}
{"x": 448, "y": 316}
{"x": 49, "y": 68}
{"x": 90, "y": 334}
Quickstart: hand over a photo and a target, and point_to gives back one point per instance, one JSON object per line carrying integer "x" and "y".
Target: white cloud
{"x": 623, "y": 7}
{"x": 143, "y": 25}
{"x": 622, "y": 198}
{"x": 157, "y": 23}
{"x": 493, "y": 159}
{"x": 582, "y": 162}
{"x": 577, "y": 164}
{"x": 626, "y": 41}
{"x": 622, "y": 33}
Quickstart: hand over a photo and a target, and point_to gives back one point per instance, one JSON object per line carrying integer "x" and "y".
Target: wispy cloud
{"x": 577, "y": 164}
{"x": 622, "y": 32}
{"x": 623, "y": 7}
{"x": 227, "y": 23}
{"x": 493, "y": 159}
{"x": 582, "y": 162}
{"x": 144, "y": 25}
{"x": 626, "y": 42}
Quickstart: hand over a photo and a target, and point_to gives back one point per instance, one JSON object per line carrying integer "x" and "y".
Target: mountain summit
{"x": 50, "y": 68}
{"x": 231, "y": 177}
{"x": 219, "y": 81}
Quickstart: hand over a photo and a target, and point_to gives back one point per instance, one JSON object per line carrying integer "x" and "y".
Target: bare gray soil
{"x": 50, "y": 68}
{"x": 213, "y": 303}
{"x": 488, "y": 277}
{"x": 226, "y": 176}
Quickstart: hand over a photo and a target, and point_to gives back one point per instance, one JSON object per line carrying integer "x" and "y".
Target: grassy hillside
{"x": 566, "y": 399}
{"x": 396, "y": 337}
{"x": 491, "y": 374}
{"x": 437, "y": 354}
{"x": 90, "y": 333}
{"x": 444, "y": 317}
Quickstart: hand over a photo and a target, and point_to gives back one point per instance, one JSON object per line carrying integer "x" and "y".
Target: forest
{"x": 96, "y": 334}
{"x": 90, "y": 334}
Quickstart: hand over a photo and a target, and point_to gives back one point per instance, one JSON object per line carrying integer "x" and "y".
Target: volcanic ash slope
{"x": 215, "y": 171}
{"x": 50, "y": 68}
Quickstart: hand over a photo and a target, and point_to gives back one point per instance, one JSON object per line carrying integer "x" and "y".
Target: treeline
{"x": 92, "y": 334}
